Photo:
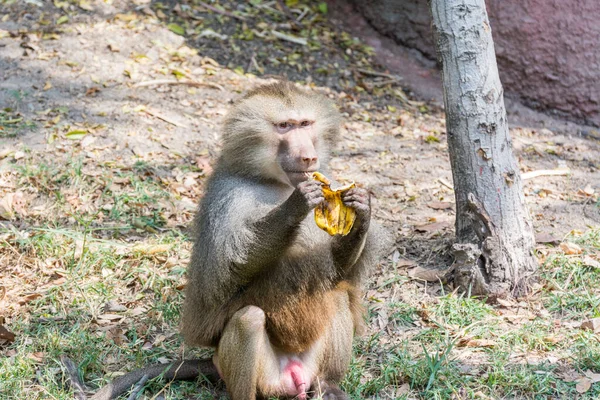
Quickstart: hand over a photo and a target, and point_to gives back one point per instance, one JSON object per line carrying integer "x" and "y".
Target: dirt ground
{"x": 76, "y": 92}
{"x": 84, "y": 74}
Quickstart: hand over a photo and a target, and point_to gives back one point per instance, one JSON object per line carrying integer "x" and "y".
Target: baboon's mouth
{"x": 301, "y": 172}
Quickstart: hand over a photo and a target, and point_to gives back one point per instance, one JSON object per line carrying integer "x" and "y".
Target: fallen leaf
{"x": 427, "y": 274}
{"x": 50, "y": 36}
{"x": 114, "y": 307}
{"x": 592, "y": 376}
{"x": 547, "y": 238}
{"x": 159, "y": 339}
{"x": 590, "y": 262}
{"x": 553, "y": 339}
{"x": 6, "y": 207}
{"x": 570, "y": 248}
{"x": 505, "y": 303}
{"x": 589, "y": 190}
{"x": 116, "y": 335}
{"x": 56, "y": 282}
{"x": 85, "y": 5}
{"x": 171, "y": 262}
{"x": 481, "y": 343}
{"x": 440, "y": 205}
{"x": 29, "y": 297}
{"x": 151, "y": 249}
{"x": 204, "y": 163}
{"x": 382, "y": 318}
{"x": 76, "y": 134}
{"x": 110, "y": 317}
{"x": 437, "y": 226}
{"x": 592, "y": 325}
{"x": 147, "y": 346}
{"x": 569, "y": 375}
{"x": 92, "y": 91}
{"x": 402, "y": 390}
{"x": 126, "y": 17}
{"x": 583, "y": 385}
{"x": 138, "y": 311}
{"x": 178, "y": 29}
{"x": 403, "y": 263}
{"x": 5, "y": 334}
{"x": 38, "y": 356}
{"x": 62, "y": 20}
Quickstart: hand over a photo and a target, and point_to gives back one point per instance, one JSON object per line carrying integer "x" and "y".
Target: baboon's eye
{"x": 305, "y": 123}
{"x": 283, "y": 127}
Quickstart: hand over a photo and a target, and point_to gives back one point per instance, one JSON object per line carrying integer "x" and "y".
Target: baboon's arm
{"x": 274, "y": 232}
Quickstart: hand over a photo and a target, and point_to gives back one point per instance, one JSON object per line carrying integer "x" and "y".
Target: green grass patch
{"x": 572, "y": 286}
{"x": 12, "y": 123}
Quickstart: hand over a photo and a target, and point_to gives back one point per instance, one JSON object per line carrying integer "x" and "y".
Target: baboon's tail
{"x": 178, "y": 370}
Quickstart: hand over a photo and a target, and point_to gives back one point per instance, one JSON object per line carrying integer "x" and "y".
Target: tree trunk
{"x": 494, "y": 254}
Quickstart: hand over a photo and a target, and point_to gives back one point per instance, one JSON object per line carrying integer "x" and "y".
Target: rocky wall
{"x": 548, "y": 51}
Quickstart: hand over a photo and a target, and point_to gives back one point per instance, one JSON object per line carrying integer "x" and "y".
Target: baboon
{"x": 278, "y": 298}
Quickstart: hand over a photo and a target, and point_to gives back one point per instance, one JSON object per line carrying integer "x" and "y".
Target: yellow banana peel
{"x": 332, "y": 215}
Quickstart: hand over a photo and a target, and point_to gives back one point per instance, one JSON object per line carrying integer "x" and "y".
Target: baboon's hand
{"x": 308, "y": 195}
{"x": 360, "y": 200}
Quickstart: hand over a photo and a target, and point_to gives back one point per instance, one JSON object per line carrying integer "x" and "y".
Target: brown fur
{"x": 297, "y": 323}
{"x": 357, "y": 309}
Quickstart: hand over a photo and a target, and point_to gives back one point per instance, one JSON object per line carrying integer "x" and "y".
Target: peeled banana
{"x": 332, "y": 215}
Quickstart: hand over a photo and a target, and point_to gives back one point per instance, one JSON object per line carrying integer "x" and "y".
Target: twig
{"x": 545, "y": 172}
{"x": 74, "y": 381}
{"x": 302, "y": 15}
{"x": 164, "y": 118}
{"x": 387, "y": 82}
{"x": 375, "y": 73}
{"x": 173, "y": 82}
{"x": 289, "y": 38}
{"x": 445, "y": 183}
{"x": 138, "y": 388}
{"x": 219, "y": 11}
{"x": 268, "y": 6}
{"x": 287, "y": 13}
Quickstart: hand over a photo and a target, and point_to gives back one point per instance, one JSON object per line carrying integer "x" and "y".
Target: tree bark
{"x": 491, "y": 210}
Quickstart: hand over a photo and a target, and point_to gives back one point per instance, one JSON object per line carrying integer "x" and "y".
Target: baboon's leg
{"x": 336, "y": 351}
{"x": 244, "y": 353}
